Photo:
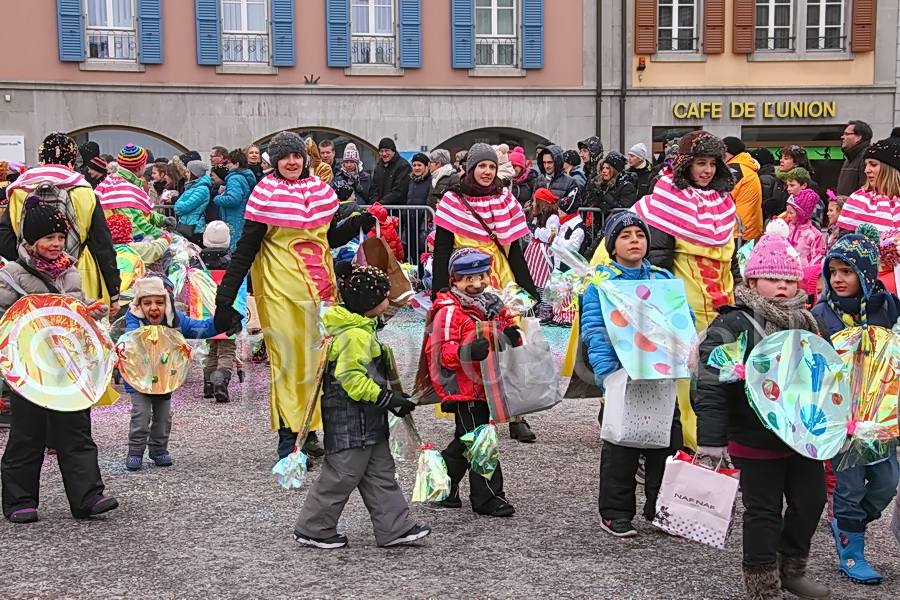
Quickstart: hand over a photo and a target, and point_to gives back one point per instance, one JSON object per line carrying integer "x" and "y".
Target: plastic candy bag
{"x": 432, "y": 481}
{"x": 404, "y": 438}
{"x": 576, "y": 262}
{"x": 729, "y": 359}
{"x": 291, "y": 470}
{"x": 482, "y": 449}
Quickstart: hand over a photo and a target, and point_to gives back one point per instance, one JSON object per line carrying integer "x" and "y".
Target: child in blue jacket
{"x": 855, "y": 297}
{"x": 627, "y": 241}
{"x": 151, "y": 414}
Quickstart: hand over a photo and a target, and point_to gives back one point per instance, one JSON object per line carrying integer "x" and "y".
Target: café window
{"x": 677, "y": 26}
{"x": 825, "y": 25}
{"x": 774, "y": 24}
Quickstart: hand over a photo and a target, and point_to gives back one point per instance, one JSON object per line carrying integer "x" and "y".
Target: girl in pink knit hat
{"x": 776, "y": 542}
{"x": 803, "y": 235}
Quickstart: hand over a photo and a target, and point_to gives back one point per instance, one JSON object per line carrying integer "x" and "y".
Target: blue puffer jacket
{"x": 233, "y": 201}
{"x": 882, "y": 310}
{"x": 191, "y": 205}
{"x": 600, "y": 351}
{"x": 195, "y": 329}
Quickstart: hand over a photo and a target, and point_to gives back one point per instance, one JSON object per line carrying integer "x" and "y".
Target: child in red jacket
{"x": 387, "y": 228}
{"x": 454, "y": 351}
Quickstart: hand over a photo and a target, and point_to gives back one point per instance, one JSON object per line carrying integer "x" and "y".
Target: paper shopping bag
{"x": 376, "y": 253}
{"x": 696, "y": 502}
{"x": 638, "y": 413}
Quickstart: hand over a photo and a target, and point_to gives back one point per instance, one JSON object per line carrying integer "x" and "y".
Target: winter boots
{"x": 794, "y": 579}
{"x": 207, "y": 384}
{"x": 219, "y": 381}
{"x": 762, "y": 582}
{"x": 851, "y": 550}
{"x": 519, "y": 430}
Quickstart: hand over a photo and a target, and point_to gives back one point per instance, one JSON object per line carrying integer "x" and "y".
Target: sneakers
{"x": 336, "y": 541}
{"x": 416, "y": 533}
{"x": 519, "y": 430}
{"x": 312, "y": 446}
{"x": 161, "y": 459}
{"x": 503, "y": 509}
{"x": 134, "y": 462}
{"x": 24, "y": 515}
{"x": 620, "y": 528}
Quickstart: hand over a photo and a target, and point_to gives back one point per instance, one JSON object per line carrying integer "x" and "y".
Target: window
{"x": 496, "y": 41}
{"x": 825, "y": 25}
{"x": 373, "y": 41}
{"x": 245, "y": 34}
{"x": 677, "y": 25}
{"x": 774, "y": 24}
{"x": 111, "y": 31}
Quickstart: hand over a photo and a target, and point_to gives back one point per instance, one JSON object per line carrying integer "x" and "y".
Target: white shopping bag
{"x": 696, "y": 502}
{"x": 638, "y": 413}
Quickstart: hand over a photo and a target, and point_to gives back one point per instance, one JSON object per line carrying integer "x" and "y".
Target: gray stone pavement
{"x": 217, "y": 525}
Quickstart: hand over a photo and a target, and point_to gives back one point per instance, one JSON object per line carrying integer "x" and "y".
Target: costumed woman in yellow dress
{"x": 482, "y": 214}
{"x": 289, "y": 230}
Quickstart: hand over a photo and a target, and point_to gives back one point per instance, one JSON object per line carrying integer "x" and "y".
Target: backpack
{"x": 59, "y": 199}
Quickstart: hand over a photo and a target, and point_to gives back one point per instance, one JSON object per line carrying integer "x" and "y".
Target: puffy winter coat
{"x": 601, "y": 354}
{"x": 454, "y": 326}
{"x": 723, "y": 410}
{"x": 561, "y": 183}
{"x": 641, "y": 179}
{"x": 355, "y": 375}
{"x": 390, "y": 181}
{"x": 232, "y": 203}
{"x": 621, "y": 195}
{"x": 577, "y": 173}
{"x": 361, "y": 188}
{"x": 524, "y": 191}
{"x": 882, "y": 310}
{"x": 419, "y": 191}
{"x": 808, "y": 241}
{"x": 191, "y": 205}
{"x": 68, "y": 282}
{"x": 747, "y": 194}
{"x": 388, "y": 226}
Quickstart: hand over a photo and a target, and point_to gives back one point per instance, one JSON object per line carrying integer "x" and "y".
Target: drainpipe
{"x": 623, "y": 85}
{"x": 599, "y": 60}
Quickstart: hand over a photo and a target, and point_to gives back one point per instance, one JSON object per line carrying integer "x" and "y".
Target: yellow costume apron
{"x": 501, "y": 274}
{"x": 292, "y": 275}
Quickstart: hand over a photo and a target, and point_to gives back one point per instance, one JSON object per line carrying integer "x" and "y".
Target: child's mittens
{"x": 543, "y": 235}
{"x": 169, "y": 223}
{"x": 98, "y": 310}
{"x": 475, "y": 351}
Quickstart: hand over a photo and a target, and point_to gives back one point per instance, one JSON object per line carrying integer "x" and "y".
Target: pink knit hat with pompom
{"x": 804, "y": 204}
{"x": 773, "y": 257}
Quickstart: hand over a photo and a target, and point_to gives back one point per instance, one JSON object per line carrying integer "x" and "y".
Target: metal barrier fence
{"x": 414, "y": 223}
{"x": 595, "y": 222}
{"x": 165, "y": 209}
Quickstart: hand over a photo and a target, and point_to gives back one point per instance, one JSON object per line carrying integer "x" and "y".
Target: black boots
{"x": 219, "y": 381}
{"x": 519, "y": 430}
{"x": 207, "y": 384}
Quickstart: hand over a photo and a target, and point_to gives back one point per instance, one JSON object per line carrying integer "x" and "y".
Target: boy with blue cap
{"x": 453, "y": 351}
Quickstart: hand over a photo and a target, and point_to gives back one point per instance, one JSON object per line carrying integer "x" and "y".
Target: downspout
{"x": 624, "y": 76}
{"x": 598, "y": 57}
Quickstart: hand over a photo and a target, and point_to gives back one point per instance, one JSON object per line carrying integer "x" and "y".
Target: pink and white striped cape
{"x": 503, "y": 215}
{"x": 702, "y": 217}
{"x": 115, "y": 192}
{"x": 868, "y": 207}
{"x": 62, "y": 177}
{"x": 303, "y": 204}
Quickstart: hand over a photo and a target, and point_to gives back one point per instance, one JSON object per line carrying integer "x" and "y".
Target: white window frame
{"x": 771, "y": 29}
{"x": 114, "y": 36}
{"x": 242, "y": 46}
{"x": 370, "y": 44}
{"x": 798, "y": 51}
{"x": 503, "y": 49}
{"x": 674, "y": 6}
{"x": 821, "y": 28}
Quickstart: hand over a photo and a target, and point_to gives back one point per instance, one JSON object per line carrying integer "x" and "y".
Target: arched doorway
{"x": 494, "y": 136}
{"x": 340, "y": 139}
{"x": 112, "y": 138}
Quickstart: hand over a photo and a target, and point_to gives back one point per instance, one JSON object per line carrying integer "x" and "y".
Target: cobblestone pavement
{"x": 217, "y": 525}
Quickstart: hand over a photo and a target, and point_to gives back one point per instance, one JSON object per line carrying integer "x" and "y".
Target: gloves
{"x": 718, "y": 452}
{"x": 397, "y": 403}
{"x": 169, "y": 223}
{"x": 543, "y": 235}
{"x": 227, "y": 320}
{"x": 366, "y": 221}
{"x": 475, "y": 351}
{"x": 513, "y": 335}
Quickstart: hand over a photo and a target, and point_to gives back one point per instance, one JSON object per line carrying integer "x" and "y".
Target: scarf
{"x": 303, "y": 204}
{"x": 779, "y": 313}
{"x": 868, "y": 207}
{"x": 55, "y": 268}
{"x": 420, "y": 178}
{"x": 523, "y": 177}
{"x": 697, "y": 216}
{"x": 485, "y": 304}
{"x": 352, "y": 177}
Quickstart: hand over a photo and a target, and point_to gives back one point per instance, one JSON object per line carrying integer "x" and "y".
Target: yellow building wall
{"x": 724, "y": 70}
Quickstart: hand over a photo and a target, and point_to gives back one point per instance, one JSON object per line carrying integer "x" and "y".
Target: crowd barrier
{"x": 414, "y": 221}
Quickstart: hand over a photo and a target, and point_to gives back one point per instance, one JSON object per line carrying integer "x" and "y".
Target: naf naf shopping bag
{"x": 638, "y": 413}
{"x": 696, "y": 502}
{"x": 375, "y": 252}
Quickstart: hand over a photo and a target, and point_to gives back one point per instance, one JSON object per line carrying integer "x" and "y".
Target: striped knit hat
{"x": 132, "y": 158}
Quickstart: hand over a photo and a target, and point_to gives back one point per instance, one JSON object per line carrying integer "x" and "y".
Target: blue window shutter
{"x": 410, "y": 34}
{"x": 462, "y": 33}
{"x": 337, "y": 32}
{"x": 70, "y": 30}
{"x": 532, "y": 34}
{"x": 149, "y": 31}
{"x": 283, "y": 54}
{"x": 209, "y": 32}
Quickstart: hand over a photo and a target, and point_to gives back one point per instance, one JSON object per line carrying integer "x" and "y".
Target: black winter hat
{"x": 221, "y": 170}
{"x": 362, "y": 288}
{"x": 420, "y": 157}
{"x": 569, "y": 203}
{"x": 41, "y": 219}
{"x": 284, "y": 144}
{"x": 887, "y": 150}
{"x": 615, "y": 160}
{"x": 572, "y": 157}
{"x": 388, "y": 143}
{"x": 616, "y": 224}
{"x": 763, "y": 156}
{"x": 734, "y": 145}
{"x": 343, "y": 190}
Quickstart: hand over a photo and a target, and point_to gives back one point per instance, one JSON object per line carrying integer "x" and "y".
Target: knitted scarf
{"x": 779, "y": 313}
{"x": 486, "y": 304}
{"x": 55, "y": 268}
{"x": 352, "y": 177}
{"x": 523, "y": 177}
